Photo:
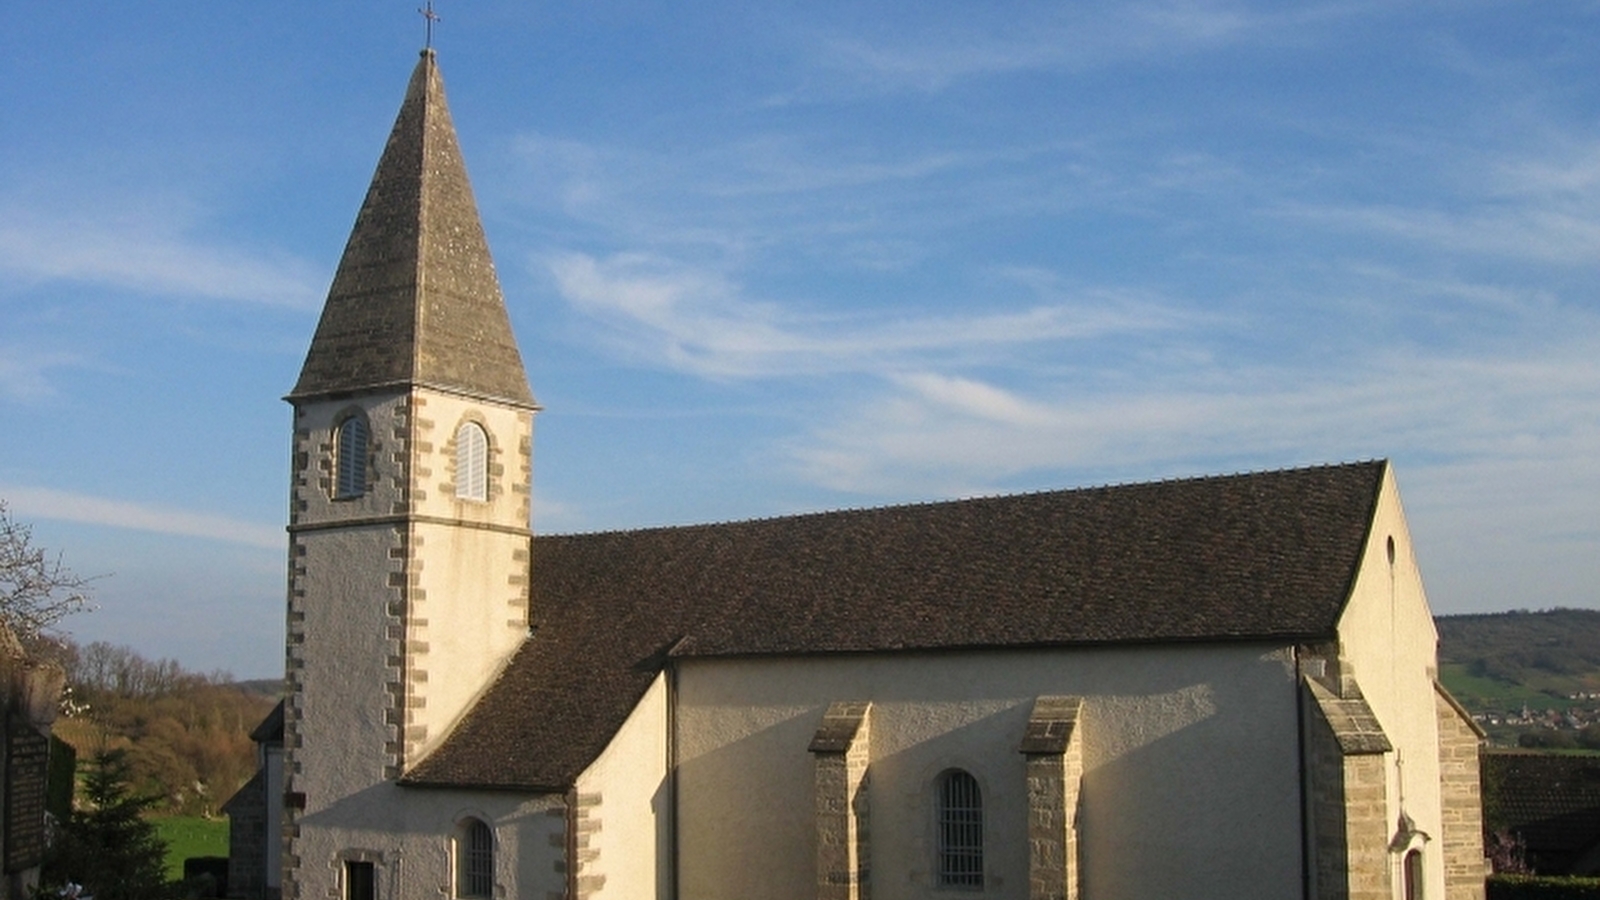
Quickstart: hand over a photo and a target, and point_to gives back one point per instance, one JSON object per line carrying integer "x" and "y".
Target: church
{"x": 1213, "y": 687}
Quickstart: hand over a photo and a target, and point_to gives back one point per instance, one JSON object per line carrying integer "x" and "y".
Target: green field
{"x": 188, "y": 836}
{"x": 1491, "y": 694}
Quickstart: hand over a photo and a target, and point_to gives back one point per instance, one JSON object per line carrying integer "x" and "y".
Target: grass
{"x": 1485, "y": 694}
{"x": 188, "y": 836}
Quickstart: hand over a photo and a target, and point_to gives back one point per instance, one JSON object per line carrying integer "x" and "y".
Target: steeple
{"x": 415, "y": 301}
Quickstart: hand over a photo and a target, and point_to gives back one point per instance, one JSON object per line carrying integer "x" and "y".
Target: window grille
{"x": 476, "y": 875}
{"x": 960, "y": 831}
{"x": 350, "y": 458}
{"x": 472, "y": 462}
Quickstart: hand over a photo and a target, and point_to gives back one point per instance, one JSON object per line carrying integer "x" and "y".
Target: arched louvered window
{"x": 350, "y": 459}
{"x": 472, "y": 462}
{"x": 475, "y": 859}
{"x": 960, "y": 830}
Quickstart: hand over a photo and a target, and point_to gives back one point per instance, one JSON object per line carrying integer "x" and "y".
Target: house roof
{"x": 415, "y": 300}
{"x": 1549, "y": 800}
{"x": 1263, "y": 556}
{"x": 270, "y": 731}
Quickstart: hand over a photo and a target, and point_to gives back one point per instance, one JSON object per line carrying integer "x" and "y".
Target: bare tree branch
{"x": 36, "y": 590}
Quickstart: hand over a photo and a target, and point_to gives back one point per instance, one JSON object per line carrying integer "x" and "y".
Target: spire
{"x": 415, "y": 300}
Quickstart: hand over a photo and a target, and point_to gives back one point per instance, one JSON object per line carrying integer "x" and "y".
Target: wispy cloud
{"x": 769, "y": 191}
{"x": 46, "y": 503}
{"x": 699, "y": 321}
{"x": 1073, "y": 38}
{"x": 1524, "y": 233}
{"x": 24, "y": 372}
{"x": 146, "y": 254}
{"x": 970, "y": 436}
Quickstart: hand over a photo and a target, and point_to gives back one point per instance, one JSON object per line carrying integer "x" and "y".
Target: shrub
{"x": 1542, "y": 887}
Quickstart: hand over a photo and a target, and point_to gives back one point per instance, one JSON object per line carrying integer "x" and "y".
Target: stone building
{"x": 1211, "y": 687}
{"x": 30, "y": 697}
{"x": 255, "y": 818}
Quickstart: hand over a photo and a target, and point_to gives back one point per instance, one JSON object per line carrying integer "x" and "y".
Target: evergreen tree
{"x": 108, "y": 846}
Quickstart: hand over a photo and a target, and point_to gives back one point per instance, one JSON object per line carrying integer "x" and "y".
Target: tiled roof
{"x": 1550, "y": 800}
{"x": 1050, "y": 725}
{"x": 415, "y": 300}
{"x": 1355, "y": 726}
{"x": 1264, "y": 556}
{"x": 271, "y": 728}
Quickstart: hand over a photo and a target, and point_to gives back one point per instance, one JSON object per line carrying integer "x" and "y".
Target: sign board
{"x": 27, "y": 771}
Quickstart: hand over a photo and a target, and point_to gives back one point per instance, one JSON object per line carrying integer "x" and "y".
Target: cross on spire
{"x": 431, "y": 17}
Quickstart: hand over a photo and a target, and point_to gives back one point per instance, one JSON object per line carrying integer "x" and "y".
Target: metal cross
{"x": 431, "y": 17}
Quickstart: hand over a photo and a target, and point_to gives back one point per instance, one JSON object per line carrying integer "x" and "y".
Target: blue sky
{"x": 765, "y": 257}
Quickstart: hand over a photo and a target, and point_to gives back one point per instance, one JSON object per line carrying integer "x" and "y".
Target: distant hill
{"x": 271, "y": 688}
{"x": 1523, "y": 646}
{"x": 1546, "y": 662}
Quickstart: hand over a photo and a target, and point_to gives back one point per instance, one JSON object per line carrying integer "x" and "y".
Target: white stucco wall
{"x": 626, "y": 793}
{"x": 411, "y": 834}
{"x": 342, "y": 700}
{"x": 1190, "y": 787}
{"x": 469, "y": 609}
{"x": 1387, "y": 634}
{"x": 469, "y": 618}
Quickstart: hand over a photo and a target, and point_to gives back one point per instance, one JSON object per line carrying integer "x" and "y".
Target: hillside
{"x": 1525, "y": 672}
{"x": 187, "y": 734}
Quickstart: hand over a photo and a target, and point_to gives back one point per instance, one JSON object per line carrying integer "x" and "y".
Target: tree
{"x": 108, "y": 846}
{"x": 36, "y": 590}
{"x": 1548, "y": 739}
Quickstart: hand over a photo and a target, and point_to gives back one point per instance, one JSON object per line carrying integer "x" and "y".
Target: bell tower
{"x": 410, "y": 492}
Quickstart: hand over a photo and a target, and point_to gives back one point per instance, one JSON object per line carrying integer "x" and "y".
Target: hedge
{"x": 1542, "y": 887}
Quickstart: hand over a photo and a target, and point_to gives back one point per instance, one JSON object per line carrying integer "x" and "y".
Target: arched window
{"x": 960, "y": 830}
{"x": 472, "y": 462}
{"x": 474, "y": 859}
{"x": 350, "y": 459}
{"x": 1413, "y": 875}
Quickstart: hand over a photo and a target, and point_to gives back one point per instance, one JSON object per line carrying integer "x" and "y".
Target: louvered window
{"x": 472, "y": 462}
{"x": 475, "y": 873}
{"x": 960, "y": 830}
{"x": 350, "y": 459}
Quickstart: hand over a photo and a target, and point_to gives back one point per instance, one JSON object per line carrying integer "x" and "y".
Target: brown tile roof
{"x": 415, "y": 300}
{"x": 1550, "y": 800}
{"x": 1265, "y": 556}
{"x": 271, "y": 728}
{"x": 1050, "y": 725}
{"x": 1353, "y": 723}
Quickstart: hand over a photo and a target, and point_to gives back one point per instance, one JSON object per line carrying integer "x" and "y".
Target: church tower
{"x": 409, "y": 503}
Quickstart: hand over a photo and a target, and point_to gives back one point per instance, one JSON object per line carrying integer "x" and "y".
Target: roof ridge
{"x": 975, "y": 498}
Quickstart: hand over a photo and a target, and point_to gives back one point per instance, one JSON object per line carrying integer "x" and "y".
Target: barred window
{"x": 960, "y": 830}
{"x": 472, "y": 462}
{"x": 350, "y": 459}
{"x": 475, "y": 860}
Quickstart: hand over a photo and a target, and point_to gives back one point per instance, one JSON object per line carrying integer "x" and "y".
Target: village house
{"x": 1211, "y": 687}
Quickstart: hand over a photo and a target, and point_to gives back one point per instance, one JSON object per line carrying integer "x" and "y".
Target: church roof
{"x": 415, "y": 300}
{"x": 1263, "y": 556}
